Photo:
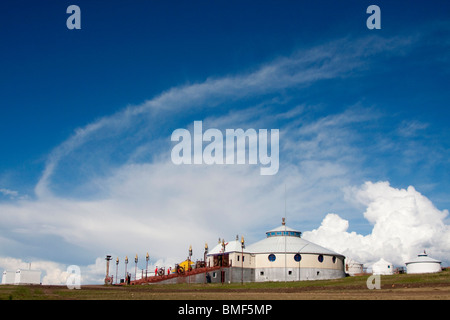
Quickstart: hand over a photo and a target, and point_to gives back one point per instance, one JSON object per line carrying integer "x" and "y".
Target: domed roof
{"x": 423, "y": 257}
{"x": 285, "y": 239}
{"x": 283, "y": 230}
{"x": 230, "y": 246}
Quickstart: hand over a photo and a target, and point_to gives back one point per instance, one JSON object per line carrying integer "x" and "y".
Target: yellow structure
{"x": 184, "y": 265}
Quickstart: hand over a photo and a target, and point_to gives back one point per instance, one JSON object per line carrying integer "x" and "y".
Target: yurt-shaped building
{"x": 423, "y": 264}
{"x": 353, "y": 267}
{"x": 382, "y": 267}
{"x": 284, "y": 256}
{"x": 228, "y": 254}
{"x": 234, "y": 260}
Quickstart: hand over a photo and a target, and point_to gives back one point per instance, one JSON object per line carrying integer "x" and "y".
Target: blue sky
{"x": 86, "y": 117}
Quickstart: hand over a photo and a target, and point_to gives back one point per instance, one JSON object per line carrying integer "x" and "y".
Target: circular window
{"x": 271, "y": 257}
{"x": 320, "y": 258}
{"x": 298, "y": 257}
{"x": 334, "y": 259}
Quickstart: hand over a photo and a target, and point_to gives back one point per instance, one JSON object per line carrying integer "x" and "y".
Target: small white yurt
{"x": 382, "y": 267}
{"x": 353, "y": 267}
{"x": 423, "y": 264}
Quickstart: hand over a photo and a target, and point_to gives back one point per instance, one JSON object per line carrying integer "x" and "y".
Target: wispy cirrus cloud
{"x": 135, "y": 124}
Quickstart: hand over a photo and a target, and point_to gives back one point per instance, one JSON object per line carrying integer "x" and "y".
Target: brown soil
{"x": 398, "y": 287}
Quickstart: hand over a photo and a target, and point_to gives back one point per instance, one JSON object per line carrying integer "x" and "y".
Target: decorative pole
{"x": 204, "y": 258}
{"x": 107, "y": 278}
{"x": 126, "y": 274}
{"x": 242, "y": 247}
{"x": 135, "y": 266}
{"x": 206, "y": 253}
{"x": 189, "y": 262}
{"x": 147, "y": 257}
{"x": 221, "y": 265}
{"x": 117, "y": 268}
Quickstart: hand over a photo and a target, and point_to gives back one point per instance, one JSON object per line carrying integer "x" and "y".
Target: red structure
{"x": 164, "y": 277}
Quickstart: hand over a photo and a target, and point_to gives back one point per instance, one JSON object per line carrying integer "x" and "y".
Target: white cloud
{"x": 12, "y": 194}
{"x": 125, "y": 130}
{"x": 404, "y": 223}
{"x": 8, "y": 192}
{"x": 411, "y": 128}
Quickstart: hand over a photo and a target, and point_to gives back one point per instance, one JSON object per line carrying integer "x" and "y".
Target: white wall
{"x": 25, "y": 276}
{"x": 8, "y": 277}
{"x": 423, "y": 267}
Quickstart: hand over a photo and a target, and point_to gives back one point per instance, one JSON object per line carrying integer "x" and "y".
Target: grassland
{"x": 395, "y": 287}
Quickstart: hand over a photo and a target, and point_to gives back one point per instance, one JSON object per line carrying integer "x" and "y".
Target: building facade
{"x": 282, "y": 256}
{"x": 21, "y": 276}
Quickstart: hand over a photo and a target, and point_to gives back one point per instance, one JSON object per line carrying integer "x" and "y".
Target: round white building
{"x": 282, "y": 256}
{"x": 423, "y": 264}
{"x": 353, "y": 267}
{"x": 382, "y": 267}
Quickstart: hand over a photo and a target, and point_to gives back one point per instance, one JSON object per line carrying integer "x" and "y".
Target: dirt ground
{"x": 396, "y": 287}
{"x": 410, "y": 292}
{"x": 438, "y": 291}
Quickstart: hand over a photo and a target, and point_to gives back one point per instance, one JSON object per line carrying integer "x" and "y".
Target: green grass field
{"x": 400, "y": 286}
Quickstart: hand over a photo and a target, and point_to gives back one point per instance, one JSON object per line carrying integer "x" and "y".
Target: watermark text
{"x": 235, "y": 147}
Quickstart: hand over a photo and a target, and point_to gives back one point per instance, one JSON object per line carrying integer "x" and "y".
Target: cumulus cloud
{"x": 404, "y": 221}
